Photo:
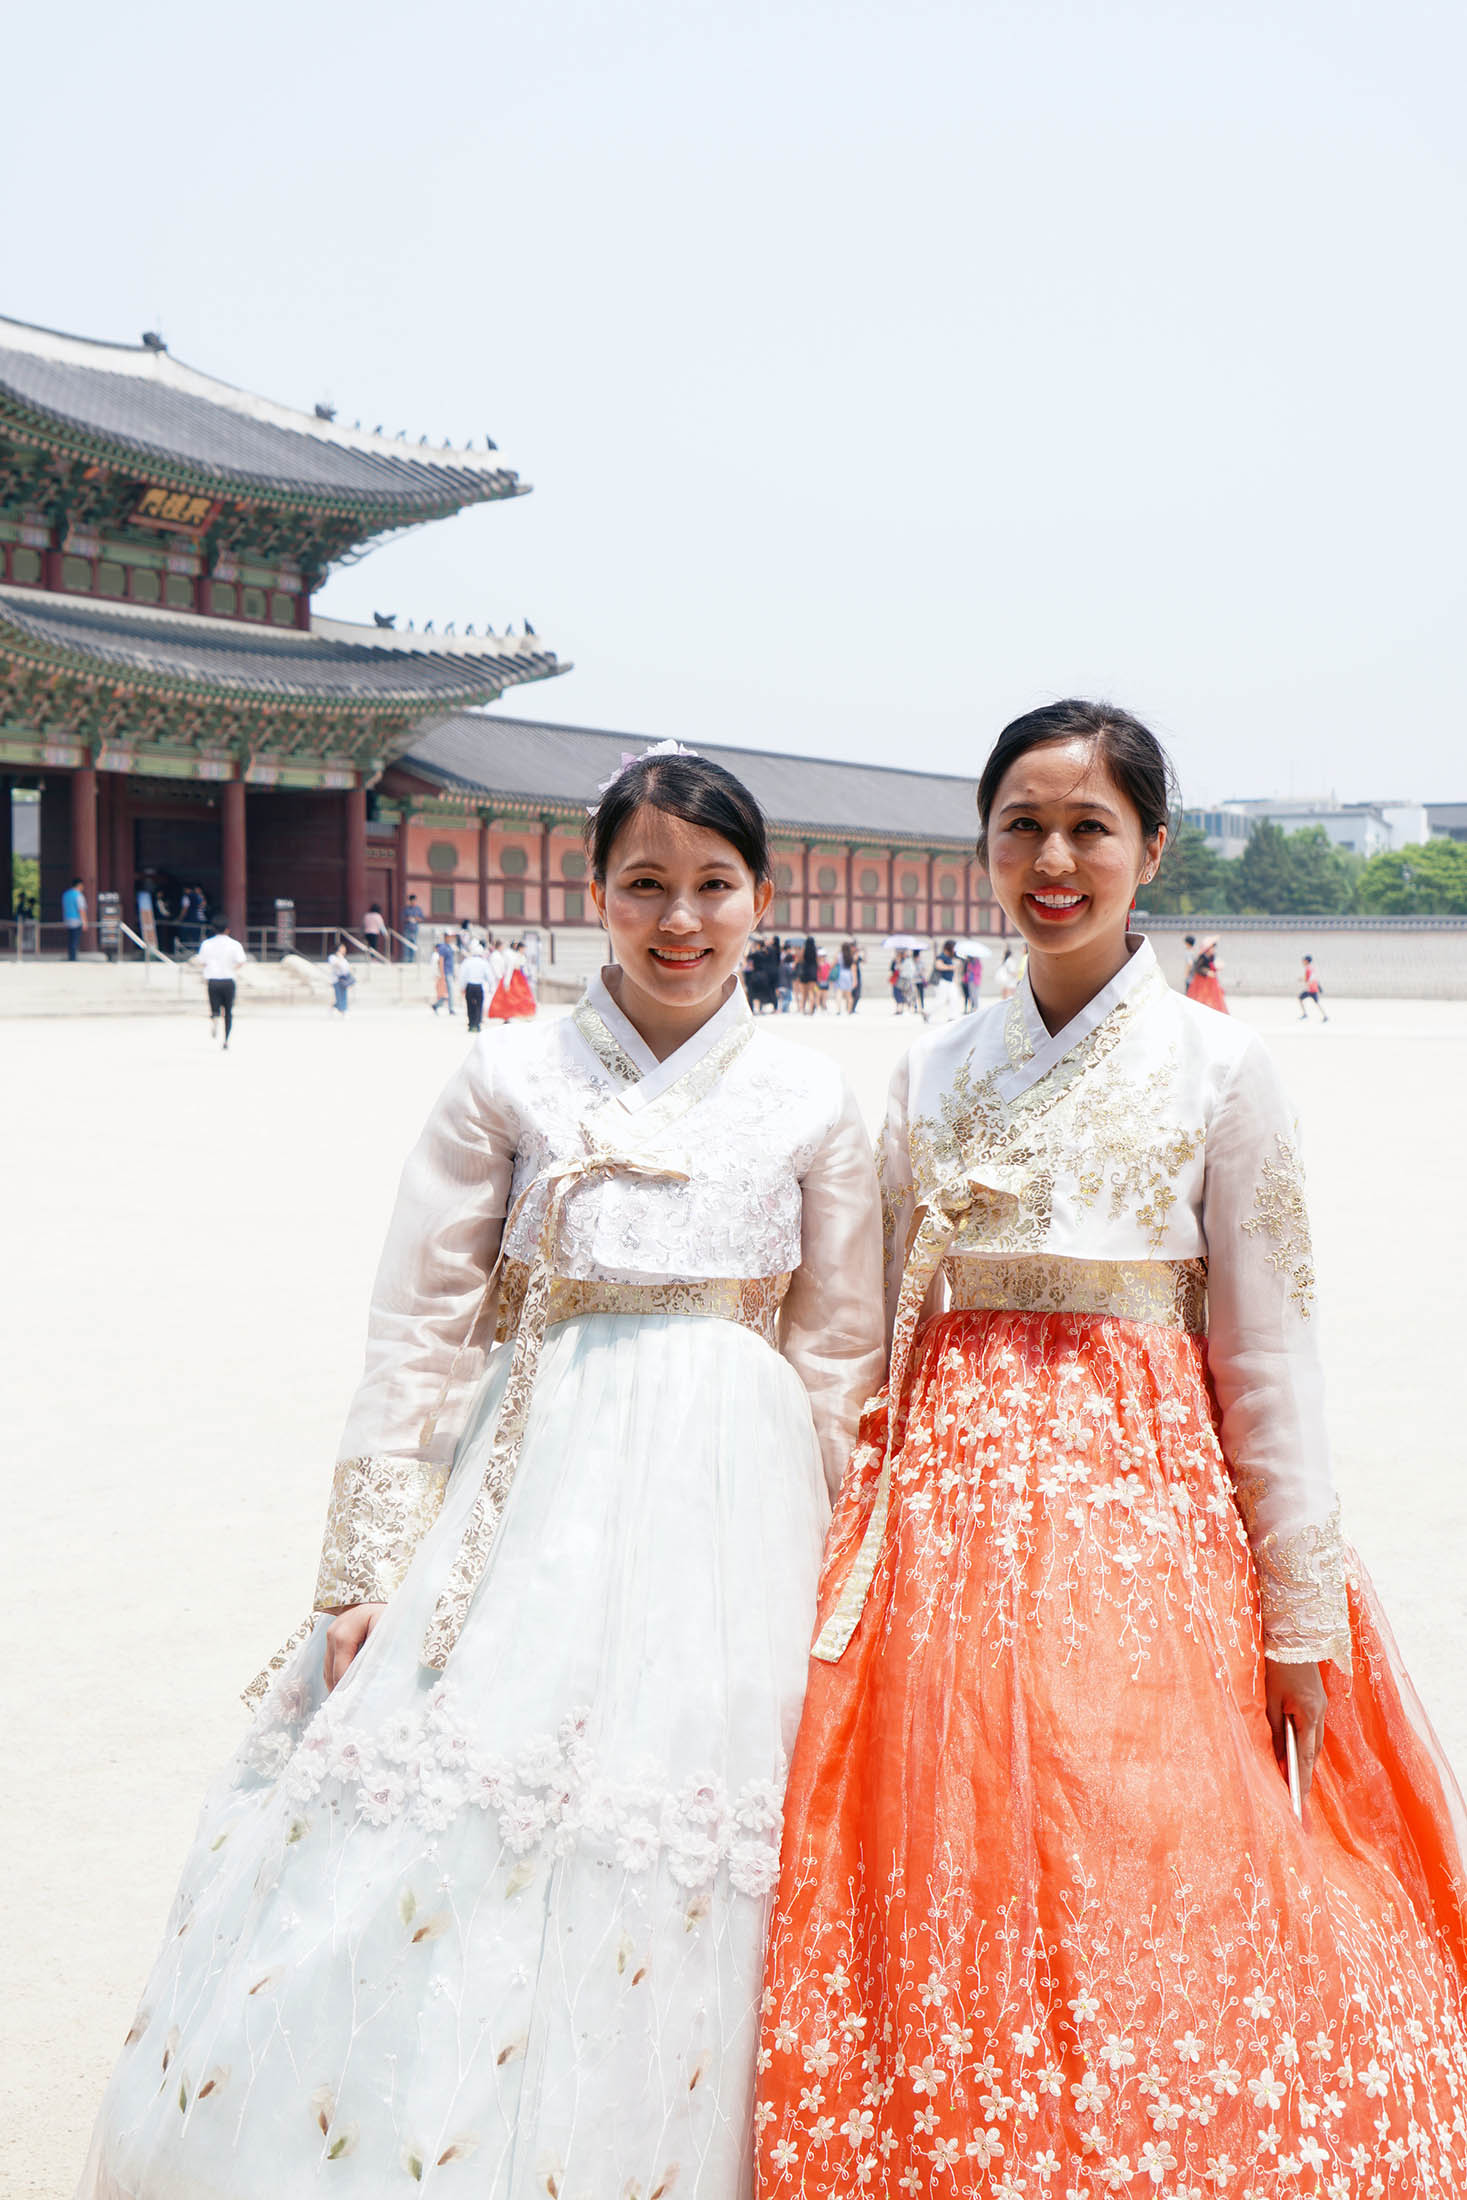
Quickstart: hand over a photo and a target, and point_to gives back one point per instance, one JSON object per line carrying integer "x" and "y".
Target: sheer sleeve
{"x": 441, "y": 1246}
{"x": 1263, "y": 1351}
{"x": 830, "y": 1325}
{"x": 898, "y": 1193}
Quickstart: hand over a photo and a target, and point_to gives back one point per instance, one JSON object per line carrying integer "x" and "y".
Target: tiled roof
{"x": 145, "y": 402}
{"x": 520, "y": 759}
{"x": 182, "y": 650}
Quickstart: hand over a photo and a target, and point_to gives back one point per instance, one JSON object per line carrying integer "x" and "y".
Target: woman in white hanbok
{"x": 487, "y": 1914}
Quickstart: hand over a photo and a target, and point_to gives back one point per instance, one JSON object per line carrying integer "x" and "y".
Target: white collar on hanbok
{"x": 649, "y": 1078}
{"x": 1033, "y": 1050}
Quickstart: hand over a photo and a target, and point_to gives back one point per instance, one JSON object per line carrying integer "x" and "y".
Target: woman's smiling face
{"x": 1064, "y": 848}
{"x": 679, "y": 903}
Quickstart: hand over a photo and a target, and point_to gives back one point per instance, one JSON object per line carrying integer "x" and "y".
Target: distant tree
{"x": 1300, "y": 874}
{"x": 1193, "y": 879}
{"x": 1427, "y": 880}
{"x": 25, "y": 878}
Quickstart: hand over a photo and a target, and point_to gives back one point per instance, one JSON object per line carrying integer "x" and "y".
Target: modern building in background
{"x": 1448, "y": 820}
{"x": 1364, "y": 828}
{"x": 164, "y": 680}
{"x": 1227, "y": 828}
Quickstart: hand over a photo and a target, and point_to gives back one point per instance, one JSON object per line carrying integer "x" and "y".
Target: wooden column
{"x": 891, "y": 890}
{"x": 354, "y": 809}
{"x": 805, "y": 926}
{"x": 486, "y": 819}
{"x": 850, "y": 889}
{"x": 7, "y": 853}
{"x": 404, "y": 819}
{"x": 232, "y": 853}
{"x": 931, "y": 890}
{"x": 547, "y": 827}
{"x": 84, "y": 843}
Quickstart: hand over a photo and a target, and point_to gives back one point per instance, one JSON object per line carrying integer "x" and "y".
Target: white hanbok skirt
{"x": 498, "y": 1931}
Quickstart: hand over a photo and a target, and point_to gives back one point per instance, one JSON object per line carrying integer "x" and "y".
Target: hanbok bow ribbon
{"x": 989, "y": 1186}
{"x": 472, "y": 1557}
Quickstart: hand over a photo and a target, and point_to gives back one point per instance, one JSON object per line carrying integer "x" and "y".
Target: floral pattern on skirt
{"x": 1046, "y": 1923}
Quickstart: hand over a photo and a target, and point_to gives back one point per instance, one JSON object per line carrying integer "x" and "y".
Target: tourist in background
{"x": 443, "y": 974}
{"x": 822, "y": 979}
{"x": 1203, "y": 982}
{"x": 221, "y": 957}
{"x": 74, "y": 917}
{"x": 339, "y": 971}
{"x": 475, "y": 976}
{"x": 412, "y": 918}
{"x": 845, "y": 978}
{"x": 1010, "y": 974}
{"x": 921, "y": 972}
{"x": 788, "y": 965}
{"x": 1046, "y": 1902}
{"x": 1311, "y": 993}
{"x": 512, "y": 996}
{"x": 374, "y": 931}
{"x": 807, "y": 978}
{"x": 490, "y": 1873}
{"x": 946, "y": 1005}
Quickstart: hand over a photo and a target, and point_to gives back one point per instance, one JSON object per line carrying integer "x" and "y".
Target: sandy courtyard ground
{"x": 189, "y": 1242}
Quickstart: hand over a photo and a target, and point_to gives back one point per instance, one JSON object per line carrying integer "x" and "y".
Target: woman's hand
{"x": 1295, "y": 1692}
{"x": 345, "y": 1636}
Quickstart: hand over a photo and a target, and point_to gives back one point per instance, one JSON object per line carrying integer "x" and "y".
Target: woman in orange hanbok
{"x": 1049, "y": 1921}
{"x": 1203, "y": 982}
{"x": 512, "y": 994}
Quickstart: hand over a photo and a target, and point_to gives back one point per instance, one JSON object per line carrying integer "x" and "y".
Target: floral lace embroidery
{"x": 1302, "y": 1582}
{"x": 1171, "y": 1293}
{"x": 425, "y": 1766}
{"x": 1283, "y": 1216}
{"x": 379, "y": 1511}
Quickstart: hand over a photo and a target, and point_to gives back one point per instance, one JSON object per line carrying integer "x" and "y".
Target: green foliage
{"x": 1299, "y": 874}
{"x": 1193, "y": 879}
{"x": 25, "y": 878}
{"x": 1428, "y": 880}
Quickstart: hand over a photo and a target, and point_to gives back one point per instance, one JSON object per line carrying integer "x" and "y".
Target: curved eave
{"x": 452, "y": 490}
{"x": 133, "y": 651}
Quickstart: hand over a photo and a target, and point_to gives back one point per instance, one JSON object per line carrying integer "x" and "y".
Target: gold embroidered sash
{"x": 753, "y": 1302}
{"x": 1167, "y": 1294}
{"x": 604, "y": 1157}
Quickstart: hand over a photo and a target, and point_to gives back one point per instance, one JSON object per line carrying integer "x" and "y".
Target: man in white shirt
{"x": 221, "y": 955}
{"x": 476, "y": 974}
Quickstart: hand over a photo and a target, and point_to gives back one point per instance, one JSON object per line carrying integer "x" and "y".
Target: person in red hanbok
{"x": 512, "y": 994}
{"x": 1050, "y": 1922}
{"x": 1203, "y": 982}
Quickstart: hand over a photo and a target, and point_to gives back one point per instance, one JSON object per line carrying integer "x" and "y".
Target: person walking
{"x": 1118, "y": 1854}
{"x": 1203, "y": 982}
{"x": 480, "y": 1904}
{"x": 946, "y": 1005}
{"x": 375, "y": 932}
{"x": 74, "y": 917}
{"x": 807, "y": 978}
{"x": 220, "y": 957}
{"x": 1010, "y": 974}
{"x": 476, "y": 978}
{"x": 443, "y": 974}
{"x": 972, "y": 982}
{"x": 339, "y": 971}
{"x": 845, "y": 978}
{"x": 512, "y": 997}
{"x": 1311, "y": 993}
{"x": 412, "y": 918}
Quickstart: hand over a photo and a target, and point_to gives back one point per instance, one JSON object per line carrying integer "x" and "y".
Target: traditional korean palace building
{"x": 164, "y": 680}
{"x": 482, "y": 818}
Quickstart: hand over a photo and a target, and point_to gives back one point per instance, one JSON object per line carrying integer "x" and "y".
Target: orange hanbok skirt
{"x": 512, "y": 998}
{"x": 1046, "y": 1924}
{"x": 1207, "y": 988}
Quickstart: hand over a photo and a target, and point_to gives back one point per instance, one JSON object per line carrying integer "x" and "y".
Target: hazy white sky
{"x": 882, "y": 366}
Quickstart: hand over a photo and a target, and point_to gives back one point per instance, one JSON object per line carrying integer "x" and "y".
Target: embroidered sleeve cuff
{"x": 1305, "y": 1612}
{"x": 381, "y": 1508}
